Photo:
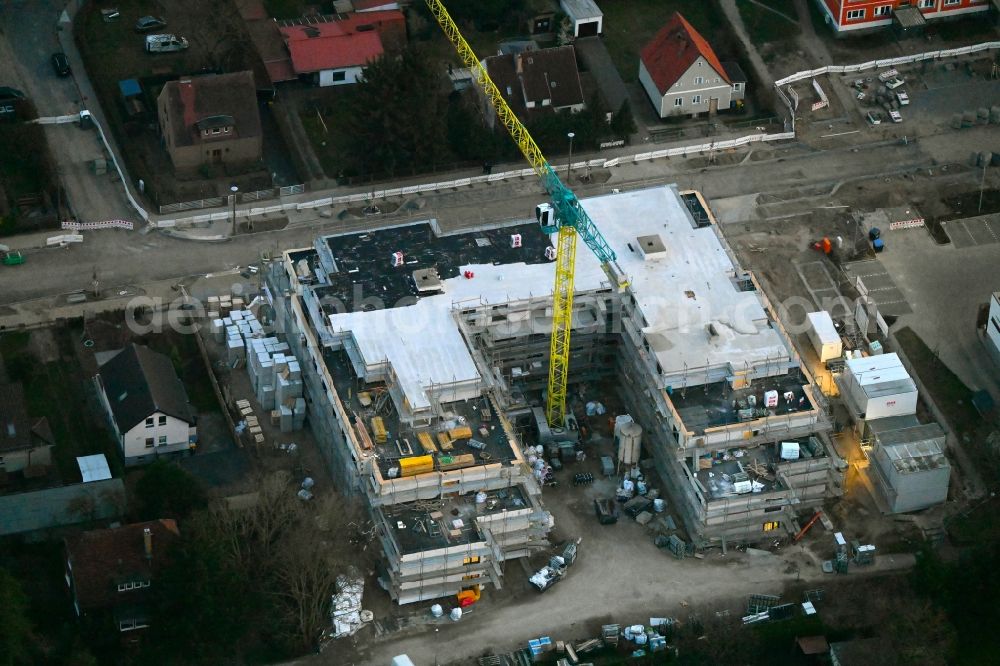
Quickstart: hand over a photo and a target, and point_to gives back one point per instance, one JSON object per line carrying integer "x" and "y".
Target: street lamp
{"x": 569, "y": 163}
{"x": 234, "y": 190}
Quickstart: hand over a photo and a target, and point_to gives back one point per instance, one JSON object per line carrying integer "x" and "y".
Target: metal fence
{"x": 216, "y": 202}
{"x": 360, "y": 197}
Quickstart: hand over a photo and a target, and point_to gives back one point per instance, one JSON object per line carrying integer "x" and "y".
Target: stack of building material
{"x": 275, "y": 373}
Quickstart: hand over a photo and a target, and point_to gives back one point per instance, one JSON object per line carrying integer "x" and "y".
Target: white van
{"x": 165, "y": 43}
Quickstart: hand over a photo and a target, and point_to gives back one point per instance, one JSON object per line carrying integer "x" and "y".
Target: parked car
{"x": 150, "y": 23}
{"x": 165, "y": 43}
{"x": 903, "y": 98}
{"x": 896, "y": 116}
{"x": 8, "y": 93}
{"x": 60, "y": 63}
{"x": 874, "y": 118}
{"x": 892, "y": 84}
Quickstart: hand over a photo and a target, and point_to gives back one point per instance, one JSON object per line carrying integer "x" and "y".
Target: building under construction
{"x": 425, "y": 357}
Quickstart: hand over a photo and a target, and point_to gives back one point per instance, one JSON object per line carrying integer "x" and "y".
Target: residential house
{"x": 532, "y": 82}
{"x": 112, "y": 570}
{"x": 586, "y": 17}
{"x": 24, "y": 441}
{"x": 146, "y": 405}
{"x": 852, "y": 15}
{"x": 211, "y": 119}
{"x": 335, "y": 52}
{"x": 682, "y": 75}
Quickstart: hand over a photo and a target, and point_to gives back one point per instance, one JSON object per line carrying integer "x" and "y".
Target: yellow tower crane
{"x": 565, "y": 217}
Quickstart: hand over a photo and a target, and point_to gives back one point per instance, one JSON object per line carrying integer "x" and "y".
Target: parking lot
{"x": 972, "y": 231}
{"x": 872, "y": 278}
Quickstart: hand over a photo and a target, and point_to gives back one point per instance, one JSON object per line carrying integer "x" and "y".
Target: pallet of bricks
{"x": 275, "y": 374}
{"x": 276, "y": 378}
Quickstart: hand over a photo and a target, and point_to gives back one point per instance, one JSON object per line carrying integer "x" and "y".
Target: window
{"x": 678, "y": 102}
{"x": 698, "y": 80}
{"x": 471, "y": 560}
{"x": 883, "y": 10}
{"x": 216, "y": 130}
{"x": 951, "y": 2}
{"x": 771, "y": 525}
{"x": 926, "y": 4}
{"x": 163, "y": 420}
{"x": 737, "y": 86}
{"x": 338, "y": 76}
{"x": 129, "y": 625}
{"x": 149, "y": 422}
{"x": 149, "y": 442}
{"x": 132, "y": 585}
{"x": 696, "y": 99}
{"x": 855, "y": 14}
{"x": 163, "y": 440}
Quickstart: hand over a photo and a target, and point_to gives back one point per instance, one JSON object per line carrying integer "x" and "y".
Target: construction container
{"x": 416, "y": 465}
{"x": 824, "y": 336}
{"x": 461, "y": 432}
{"x": 879, "y": 386}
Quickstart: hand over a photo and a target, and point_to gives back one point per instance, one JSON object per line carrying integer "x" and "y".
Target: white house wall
{"x": 713, "y": 86}
{"x": 175, "y": 430}
{"x": 351, "y": 75}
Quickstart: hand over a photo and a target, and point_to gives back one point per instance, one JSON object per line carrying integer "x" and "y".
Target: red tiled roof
{"x": 101, "y": 559}
{"x": 337, "y": 44}
{"x": 673, "y": 50}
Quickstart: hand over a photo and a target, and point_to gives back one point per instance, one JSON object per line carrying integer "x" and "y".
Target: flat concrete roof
{"x": 695, "y": 314}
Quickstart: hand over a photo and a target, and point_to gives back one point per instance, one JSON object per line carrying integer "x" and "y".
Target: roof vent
{"x": 310, "y": 31}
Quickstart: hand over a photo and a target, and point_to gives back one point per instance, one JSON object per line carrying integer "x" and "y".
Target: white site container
{"x": 879, "y": 386}
{"x": 824, "y": 336}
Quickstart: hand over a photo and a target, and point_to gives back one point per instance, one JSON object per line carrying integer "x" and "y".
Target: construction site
{"x": 425, "y": 360}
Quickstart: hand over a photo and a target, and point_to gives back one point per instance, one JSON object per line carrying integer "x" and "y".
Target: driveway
{"x": 30, "y": 35}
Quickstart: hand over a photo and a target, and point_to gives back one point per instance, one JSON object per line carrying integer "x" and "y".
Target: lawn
{"x": 58, "y": 389}
{"x": 765, "y": 27}
{"x": 629, "y": 25}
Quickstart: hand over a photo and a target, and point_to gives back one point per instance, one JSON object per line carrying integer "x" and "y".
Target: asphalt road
{"x": 30, "y": 31}
{"x": 135, "y": 258}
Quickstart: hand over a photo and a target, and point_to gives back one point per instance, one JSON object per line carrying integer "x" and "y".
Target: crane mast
{"x": 567, "y": 219}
